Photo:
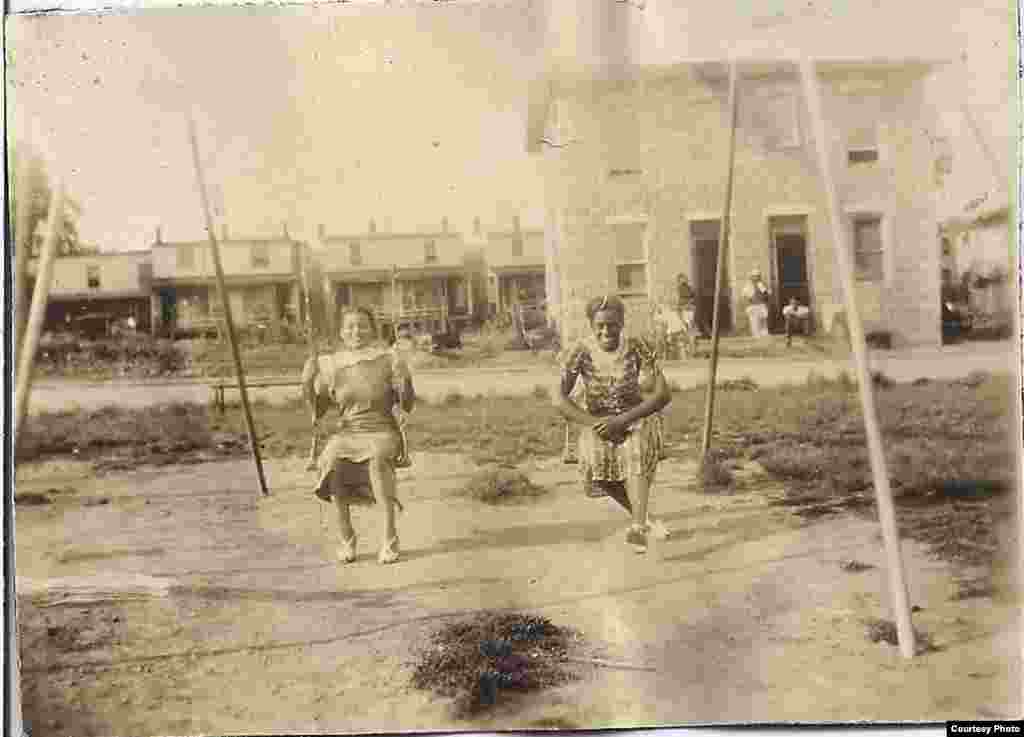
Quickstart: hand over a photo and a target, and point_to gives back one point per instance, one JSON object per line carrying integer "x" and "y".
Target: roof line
{"x": 391, "y": 235}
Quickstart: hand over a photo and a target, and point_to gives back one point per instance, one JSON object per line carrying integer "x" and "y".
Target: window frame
{"x": 617, "y": 221}
{"x": 857, "y": 218}
{"x": 259, "y": 255}
{"x": 781, "y": 95}
{"x": 182, "y": 261}
{"x": 355, "y": 253}
{"x": 855, "y": 147}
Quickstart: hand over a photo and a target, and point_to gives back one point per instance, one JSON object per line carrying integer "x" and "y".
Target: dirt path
{"x": 744, "y": 614}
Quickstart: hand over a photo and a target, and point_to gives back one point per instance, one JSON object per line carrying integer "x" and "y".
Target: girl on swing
{"x": 612, "y": 387}
{"x": 368, "y": 382}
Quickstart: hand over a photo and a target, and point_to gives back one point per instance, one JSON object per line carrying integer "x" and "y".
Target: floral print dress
{"x": 606, "y": 384}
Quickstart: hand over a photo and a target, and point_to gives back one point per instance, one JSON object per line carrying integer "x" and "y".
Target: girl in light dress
{"x": 373, "y": 389}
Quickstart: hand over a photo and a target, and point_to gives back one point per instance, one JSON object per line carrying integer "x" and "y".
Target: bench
{"x": 220, "y": 388}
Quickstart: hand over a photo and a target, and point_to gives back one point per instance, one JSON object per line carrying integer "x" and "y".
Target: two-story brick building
{"x": 414, "y": 278}
{"x": 636, "y": 160}
{"x": 516, "y": 266}
{"x": 261, "y": 275}
{"x": 110, "y": 286}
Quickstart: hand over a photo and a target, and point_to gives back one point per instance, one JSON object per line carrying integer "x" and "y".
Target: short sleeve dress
{"x": 606, "y": 384}
{"x": 366, "y": 386}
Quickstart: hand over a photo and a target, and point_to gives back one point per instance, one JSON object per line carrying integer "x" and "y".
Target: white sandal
{"x": 658, "y": 529}
{"x": 347, "y": 550}
{"x": 390, "y": 552}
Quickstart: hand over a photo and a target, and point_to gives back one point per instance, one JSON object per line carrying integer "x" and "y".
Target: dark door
{"x": 704, "y": 240}
{"x": 791, "y": 277}
{"x": 168, "y": 310}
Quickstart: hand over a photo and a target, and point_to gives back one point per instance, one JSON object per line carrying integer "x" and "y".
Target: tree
{"x": 29, "y": 200}
{"x": 34, "y": 183}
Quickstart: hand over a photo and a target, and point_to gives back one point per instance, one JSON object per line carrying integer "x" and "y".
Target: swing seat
{"x": 354, "y": 476}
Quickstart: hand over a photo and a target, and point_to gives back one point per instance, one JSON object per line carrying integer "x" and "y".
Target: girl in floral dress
{"x": 613, "y": 388}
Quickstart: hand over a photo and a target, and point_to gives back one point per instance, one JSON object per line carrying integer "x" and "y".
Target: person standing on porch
{"x": 756, "y": 296}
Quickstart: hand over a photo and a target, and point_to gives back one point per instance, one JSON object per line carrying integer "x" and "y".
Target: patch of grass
{"x": 947, "y": 445}
{"x": 173, "y": 428}
{"x": 746, "y": 384}
{"x": 715, "y": 475}
{"x": 453, "y": 398}
{"x": 883, "y": 630}
{"x": 501, "y": 486}
{"x": 475, "y": 660}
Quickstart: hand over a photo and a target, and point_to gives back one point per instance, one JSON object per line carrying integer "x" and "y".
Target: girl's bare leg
{"x": 344, "y": 518}
{"x": 382, "y": 480}
{"x": 347, "y": 548}
{"x": 639, "y": 491}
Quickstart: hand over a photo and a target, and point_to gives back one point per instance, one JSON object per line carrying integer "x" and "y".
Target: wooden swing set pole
{"x": 886, "y": 509}
{"x": 723, "y": 247}
{"x": 254, "y": 445}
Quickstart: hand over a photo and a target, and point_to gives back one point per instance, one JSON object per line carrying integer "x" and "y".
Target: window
{"x": 632, "y": 278}
{"x": 186, "y": 257}
{"x": 867, "y": 247}
{"x": 630, "y": 257}
{"x": 862, "y": 155}
{"x": 92, "y": 276}
{"x": 355, "y": 254}
{"x": 260, "y": 255}
{"x": 862, "y": 147}
{"x": 430, "y": 252}
{"x": 772, "y": 114}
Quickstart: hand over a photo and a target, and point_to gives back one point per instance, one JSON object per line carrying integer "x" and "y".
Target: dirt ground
{"x": 746, "y": 613}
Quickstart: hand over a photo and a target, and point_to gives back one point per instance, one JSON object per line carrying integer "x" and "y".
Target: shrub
{"x": 501, "y": 486}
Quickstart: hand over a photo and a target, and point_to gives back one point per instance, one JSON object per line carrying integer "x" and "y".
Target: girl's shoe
{"x": 389, "y": 553}
{"x": 347, "y": 550}
{"x": 657, "y": 528}
{"x": 637, "y": 539}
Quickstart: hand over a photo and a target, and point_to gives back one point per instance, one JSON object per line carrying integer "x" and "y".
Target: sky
{"x": 305, "y": 115}
{"x": 404, "y": 112}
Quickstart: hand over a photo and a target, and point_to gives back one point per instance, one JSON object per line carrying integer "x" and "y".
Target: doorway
{"x": 790, "y": 272}
{"x": 704, "y": 245}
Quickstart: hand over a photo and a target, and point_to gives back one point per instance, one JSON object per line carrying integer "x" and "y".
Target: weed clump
{"x": 883, "y": 630}
{"x": 715, "y": 475}
{"x": 501, "y": 486}
{"x": 473, "y": 661}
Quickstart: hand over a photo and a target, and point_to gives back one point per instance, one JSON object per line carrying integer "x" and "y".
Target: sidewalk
{"x": 946, "y": 363}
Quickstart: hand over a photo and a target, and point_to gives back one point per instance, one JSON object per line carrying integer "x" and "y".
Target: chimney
{"x": 516, "y": 224}
{"x": 321, "y": 232}
{"x": 159, "y": 234}
{"x": 444, "y": 225}
{"x": 284, "y": 230}
{"x": 373, "y": 226}
{"x": 476, "y": 226}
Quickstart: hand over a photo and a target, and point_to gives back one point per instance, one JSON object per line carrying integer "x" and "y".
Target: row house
{"x": 105, "y": 287}
{"x": 419, "y": 280}
{"x": 516, "y": 269}
{"x": 635, "y": 167}
{"x": 262, "y": 276}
